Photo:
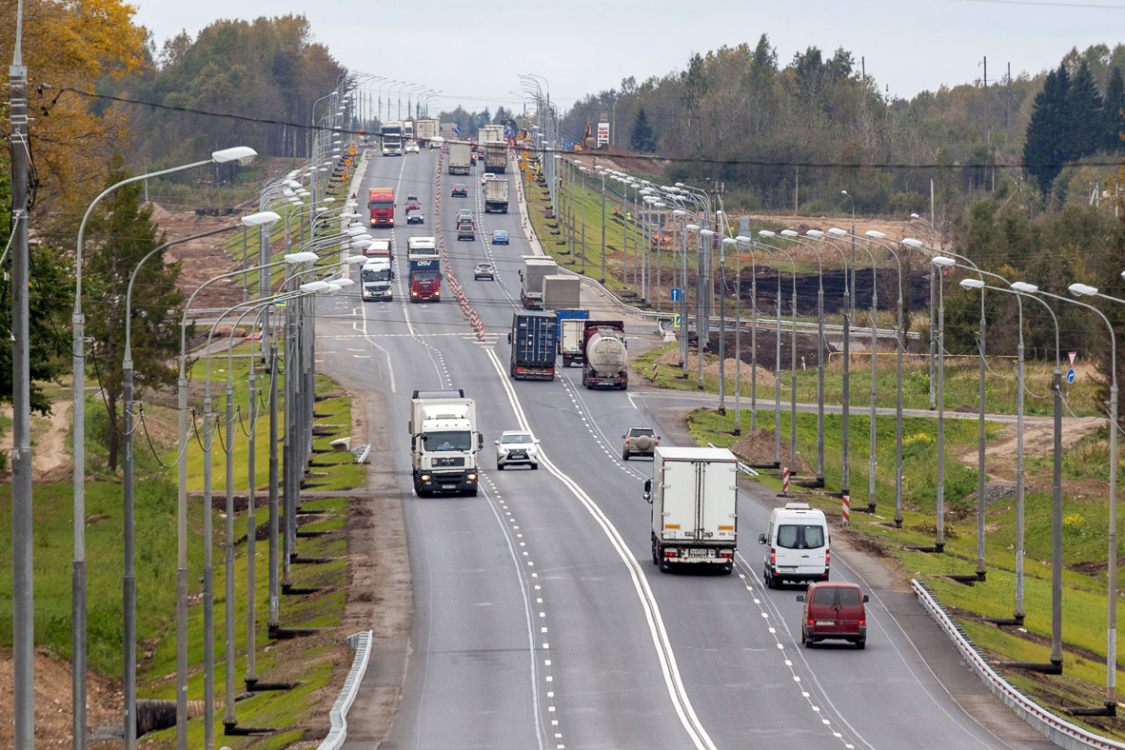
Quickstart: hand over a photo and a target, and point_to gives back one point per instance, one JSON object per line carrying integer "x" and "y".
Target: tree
{"x": 121, "y": 233}
{"x": 1046, "y": 148}
{"x": 1085, "y": 105}
{"x": 1113, "y": 112}
{"x": 642, "y": 139}
{"x": 49, "y": 306}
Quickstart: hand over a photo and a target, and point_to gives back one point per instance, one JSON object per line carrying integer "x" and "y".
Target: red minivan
{"x": 834, "y": 610}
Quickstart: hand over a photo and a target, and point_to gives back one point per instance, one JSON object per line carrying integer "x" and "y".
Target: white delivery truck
{"x": 796, "y": 545}
{"x": 444, "y": 442}
{"x": 460, "y": 157}
{"x": 496, "y": 197}
{"x": 694, "y": 496}
{"x": 561, "y": 292}
{"x": 572, "y": 340}
{"x": 535, "y": 267}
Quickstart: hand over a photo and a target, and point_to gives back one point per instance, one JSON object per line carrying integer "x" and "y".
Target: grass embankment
{"x": 1085, "y": 527}
{"x": 311, "y": 662}
{"x": 962, "y": 380}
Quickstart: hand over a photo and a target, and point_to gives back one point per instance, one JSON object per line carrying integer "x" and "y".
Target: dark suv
{"x": 639, "y": 441}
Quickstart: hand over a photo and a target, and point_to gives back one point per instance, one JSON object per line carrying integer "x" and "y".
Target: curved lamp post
{"x": 792, "y": 360}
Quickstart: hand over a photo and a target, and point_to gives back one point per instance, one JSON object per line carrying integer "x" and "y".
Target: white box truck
{"x": 427, "y": 132}
{"x": 561, "y": 292}
{"x": 444, "y": 442}
{"x": 535, "y": 267}
{"x": 496, "y": 196}
{"x": 694, "y": 496}
{"x": 460, "y": 157}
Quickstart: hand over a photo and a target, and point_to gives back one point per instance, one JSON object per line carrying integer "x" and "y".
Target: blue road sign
{"x": 568, "y": 145}
{"x": 676, "y": 294}
{"x": 1070, "y": 375}
{"x": 676, "y": 321}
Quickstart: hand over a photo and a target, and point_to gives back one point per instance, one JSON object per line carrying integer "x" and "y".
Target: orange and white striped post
{"x": 654, "y": 372}
{"x": 847, "y": 509}
{"x": 785, "y": 481}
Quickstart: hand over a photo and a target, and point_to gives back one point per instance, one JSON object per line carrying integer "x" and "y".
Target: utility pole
{"x": 23, "y": 609}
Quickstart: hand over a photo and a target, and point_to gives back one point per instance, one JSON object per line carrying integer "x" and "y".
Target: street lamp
{"x": 851, "y": 197}
{"x": 792, "y": 360}
{"x": 243, "y": 155}
{"x": 932, "y": 272}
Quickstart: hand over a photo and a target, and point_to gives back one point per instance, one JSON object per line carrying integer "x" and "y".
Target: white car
{"x": 411, "y": 147}
{"x": 517, "y": 447}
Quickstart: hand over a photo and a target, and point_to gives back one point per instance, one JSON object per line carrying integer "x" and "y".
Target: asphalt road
{"x": 539, "y": 619}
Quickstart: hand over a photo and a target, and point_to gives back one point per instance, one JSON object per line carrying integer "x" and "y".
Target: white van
{"x": 797, "y": 542}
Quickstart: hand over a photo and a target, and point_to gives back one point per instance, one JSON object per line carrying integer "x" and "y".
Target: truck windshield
{"x": 383, "y": 274}
{"x": 382, "y": 205}
{"x": 799, "y": 536}
{"x": 447, "y": 441}
{"x": 425, "y": 276}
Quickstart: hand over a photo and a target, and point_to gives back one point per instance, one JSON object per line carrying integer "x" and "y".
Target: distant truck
{"x": 496, "y": 197}
{"x": 381, "y": 204}
{"x": 444, "y": 442}
{"x": 535, "y": 267}
{"x": 605, "y": 358}
{"x": 495, "y": 148}
{"x": 694, "y": 496}
{"x": 425, "y": 281}
{"x": 375, "y": 280}
{"x": 460, "y": 157}
{"x": 380, "y": 248}
{"x": 572, "y": 335}
{"x": 533, "y": 339}
{"x": 561, "y": 292}
{"x": 427, "y": 132}
{"x": 391, "y": 137}
{"x": 446, "y": 130}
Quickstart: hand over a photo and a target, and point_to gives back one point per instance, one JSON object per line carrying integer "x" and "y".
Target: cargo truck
{"x": 391, "y": 137}
{"x": 460, "y": 157}
{"x": 561, "y": 292}
{"x": 425, "y": 280}
{"x": 380, "y": 248}
{"x": 535, "y": 267}
{"x": 444, "y": 442}
{"x": 381, "y": 204}
{"x": 375, "y": 279}
{"x": 496, "y": 197}
{"x": 694, "y": 496}
{"x": 495, "y": 158}
{"x": 533, "y": 340}
{"x": 572, "y": 339}
{"x": 427, "y": 132}
{"x": 422, "y": 248}
{"x": 606, "y": 361}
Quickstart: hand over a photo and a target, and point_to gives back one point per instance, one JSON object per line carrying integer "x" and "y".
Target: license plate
{"x": 788, "y": 569}
{"x": 517, "y": 456}
{"x": 698, "y": 553}
{"x": 825, "y": 623}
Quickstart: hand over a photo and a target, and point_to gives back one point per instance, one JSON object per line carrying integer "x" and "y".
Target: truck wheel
{"x": 768, "y": 579}
{"x": 471, "y": 493}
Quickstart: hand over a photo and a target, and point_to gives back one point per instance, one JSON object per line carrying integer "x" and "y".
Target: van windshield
{"x": 800, "y": 536}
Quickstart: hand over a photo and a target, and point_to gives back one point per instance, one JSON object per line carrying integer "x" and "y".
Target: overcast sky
{"x": 472, "y": 51}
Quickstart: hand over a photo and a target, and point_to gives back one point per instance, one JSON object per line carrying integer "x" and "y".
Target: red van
{"x": 834, "y": 610}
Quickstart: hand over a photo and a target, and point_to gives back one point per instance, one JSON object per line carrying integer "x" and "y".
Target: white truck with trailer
{"x": 444, "y": 442}
{"x": 561, "y": 292}
{"x": 694, "y": 497}
{"x": 460, "y": 157}
{"x": 535, "y": 268}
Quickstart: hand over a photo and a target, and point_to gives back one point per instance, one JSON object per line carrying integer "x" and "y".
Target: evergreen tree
{"x": 122, "y": 232}
{"x": 1085, "y": 104}
{"x": 1113, "y": 121}
{"x": 1045, "y": 147}
{"x": 642, "y": 139}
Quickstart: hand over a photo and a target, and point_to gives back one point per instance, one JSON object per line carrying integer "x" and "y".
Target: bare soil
{"x": 757, "y": 448}
{"x": 204, "y": 259}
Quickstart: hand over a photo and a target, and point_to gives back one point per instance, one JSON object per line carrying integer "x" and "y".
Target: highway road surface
{"x": 540, "y": 621}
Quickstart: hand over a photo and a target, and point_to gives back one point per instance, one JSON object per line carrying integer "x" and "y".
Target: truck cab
{"x": 375, "y": 280}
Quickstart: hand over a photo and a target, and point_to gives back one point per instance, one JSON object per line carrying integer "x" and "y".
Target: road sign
{"x": 676, "y": 294}
{"x": 568, "y": 145}
{"x": 1070, "y": 376}
{"x": 1073, "y": 356}
{"x": 676, "y": 322}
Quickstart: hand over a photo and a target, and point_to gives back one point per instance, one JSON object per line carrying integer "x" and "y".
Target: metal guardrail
{"x": 338, "y": 716}
{"x": 1057, "y": 730}
{"x": 744, "y": 468}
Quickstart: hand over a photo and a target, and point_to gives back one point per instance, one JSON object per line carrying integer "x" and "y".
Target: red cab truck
{"x": 381, "y": 203}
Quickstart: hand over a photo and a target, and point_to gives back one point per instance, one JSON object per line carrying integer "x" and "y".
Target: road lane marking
{"x": 662, "y": 643}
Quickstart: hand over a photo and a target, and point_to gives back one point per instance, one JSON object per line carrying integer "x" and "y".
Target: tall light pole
{"x": 792, "y": 358}
{"x": 900, "y": 340}
{"x": 1111, "y": 573}
{"x": 981, "y": 427}
{"x": 241, "y": 154}
{"x": 853, "y": 235}
{"x": 933, "y": 272}
{"x": 582, "y": 176}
